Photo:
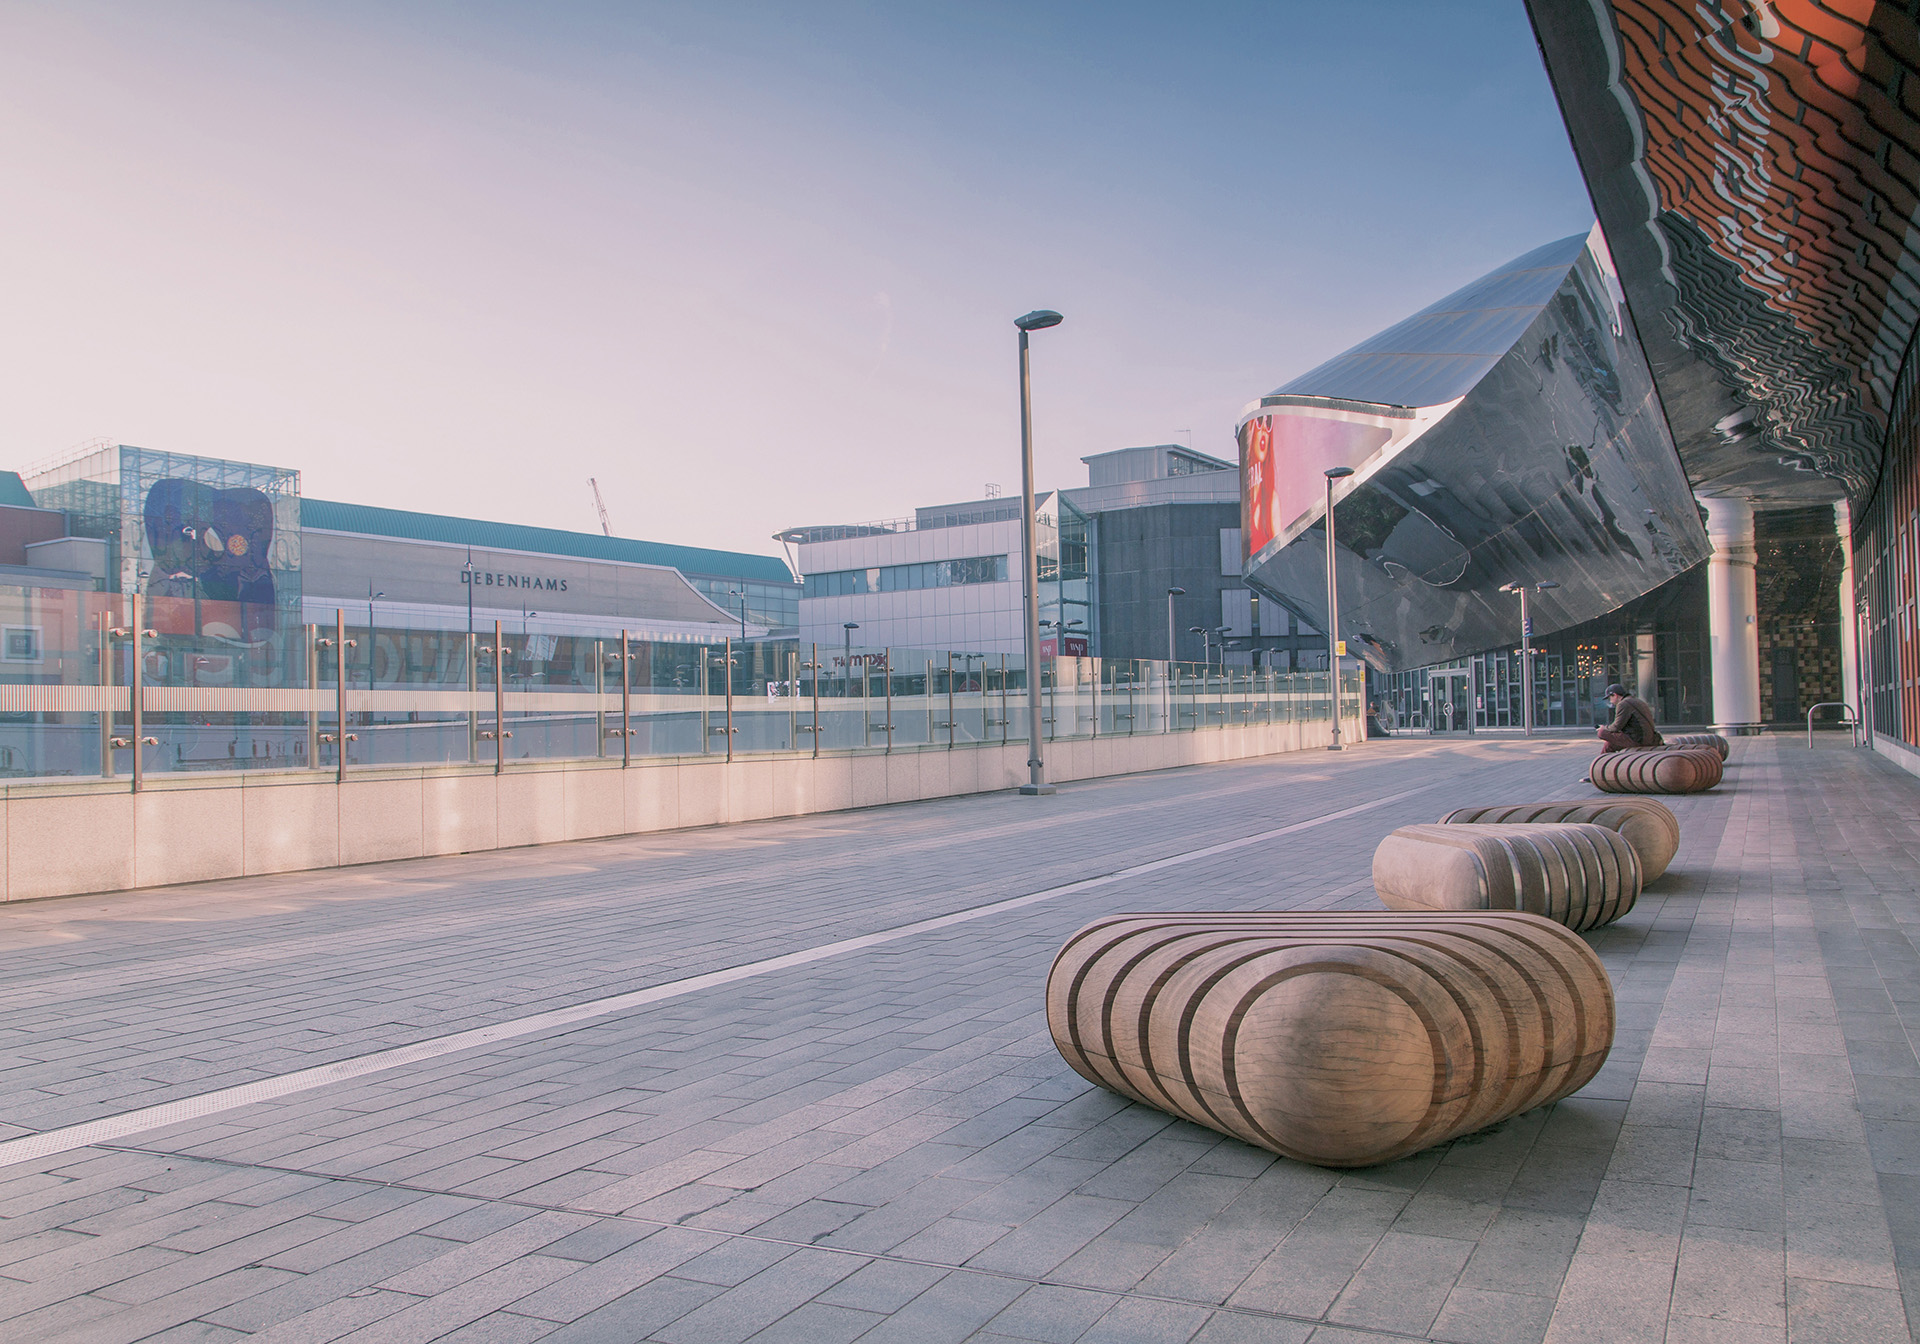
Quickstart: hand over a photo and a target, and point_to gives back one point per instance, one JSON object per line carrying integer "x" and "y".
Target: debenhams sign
{"x": 481, "y": 578}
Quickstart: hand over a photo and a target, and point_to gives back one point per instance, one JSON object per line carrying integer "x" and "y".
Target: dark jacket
{"x": 1634, "y": 717}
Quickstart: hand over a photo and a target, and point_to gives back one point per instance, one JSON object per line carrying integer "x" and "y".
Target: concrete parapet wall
{"x": 64, "y": 840}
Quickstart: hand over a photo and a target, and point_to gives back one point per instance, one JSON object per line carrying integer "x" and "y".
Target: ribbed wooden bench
{"x": 1338, "y": 1038}
{"x": 1656, "y": 770}
{"x": 1572, "y": 873}
{"x": 1713, "y": 740}
{"x": 1649, "y": 826}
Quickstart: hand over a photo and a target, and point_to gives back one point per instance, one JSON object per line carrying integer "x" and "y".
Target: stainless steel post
{"x": 816, "y": 699}
{"x": 626, "y": 703}
{"x": 599, "y": 698}
{"x": 726, "y": 670}
{"x": 499, "y": 700}
{"x": 106, "y": 697}
{"x": 473, "y": 696}
{"x": 313, "y": 697}
{"x": 950, "y": 708}
{"x": 340, "y": 695}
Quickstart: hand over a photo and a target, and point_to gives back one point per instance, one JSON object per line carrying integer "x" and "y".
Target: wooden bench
{"x": 1712, "y": 740}
{"x": 1572, "y": 873}
{"x": 1649, "y": 826}
{"x": 1656, "y": 770}
{"x": 1342, "y": 1039}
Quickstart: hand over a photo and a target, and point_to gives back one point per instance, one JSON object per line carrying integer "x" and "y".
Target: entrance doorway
{"x": 1450, "y": 700}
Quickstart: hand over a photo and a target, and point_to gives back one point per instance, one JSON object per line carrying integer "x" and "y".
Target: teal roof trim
{"x": 13, "y": 491}
{"x": 330, "y": 516}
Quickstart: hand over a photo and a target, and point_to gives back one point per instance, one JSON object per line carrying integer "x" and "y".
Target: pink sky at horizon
{"x": 750, "y": 267}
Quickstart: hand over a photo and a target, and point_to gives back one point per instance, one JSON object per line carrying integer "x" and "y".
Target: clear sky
{"x": 751, "y": 265}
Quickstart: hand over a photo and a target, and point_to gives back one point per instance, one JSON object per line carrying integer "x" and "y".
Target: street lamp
{"x": 1333, "y": 612}
{"x": 1223, "y": 631}
{"x": 1526, "y": 649}
{"x": 741, "y": 593}
{"x": 1206, "y": 643}
{"x": 849, "y": 627}
{"x": 1171, "y": 594}
{"x": 1038, "y": 320}
{"x": 371, "y": 598}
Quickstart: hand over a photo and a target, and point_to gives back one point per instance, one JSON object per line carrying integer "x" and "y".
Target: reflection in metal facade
{"x": 1508, "y": 433}
{"x": 1757, "y": 169}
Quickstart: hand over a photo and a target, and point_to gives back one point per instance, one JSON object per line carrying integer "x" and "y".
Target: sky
{"x": 749, "y": 265}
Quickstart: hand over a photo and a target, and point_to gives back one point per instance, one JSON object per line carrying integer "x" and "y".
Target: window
{"x": 906, "y": 578}
{"x": 20, "y": 644}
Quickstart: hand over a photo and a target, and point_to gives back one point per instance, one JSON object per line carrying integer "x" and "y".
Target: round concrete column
{"x": 1732, "y": 616}
{"x": 1849, "y": 649}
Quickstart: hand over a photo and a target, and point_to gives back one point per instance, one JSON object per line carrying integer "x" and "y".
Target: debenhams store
{"x": 231, "y": 550}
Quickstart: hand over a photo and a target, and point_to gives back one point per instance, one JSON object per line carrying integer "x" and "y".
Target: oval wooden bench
{"x": 1656, "y": 770}
{"x": 1573, "y": 873}
{"x": 1338, "y": 1038}
{"x": 1712, "y": 740}
{"x": 1649, "y": 826}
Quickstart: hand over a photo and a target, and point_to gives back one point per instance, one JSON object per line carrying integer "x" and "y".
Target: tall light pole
{"x": 1526, "y": 650}
{"x": 847, "y": 628}
{"x": 1171, "y": 594}
{"x": 1037, "y": 320}
{"x": 741, "y": 593}
{"x": 372, "y": 597}
{"x": 1206, "y": 644}
{"x": 1333, "y": 612}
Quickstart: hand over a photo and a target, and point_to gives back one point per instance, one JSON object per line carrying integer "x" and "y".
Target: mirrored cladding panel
{"x": 1509, "y": 433}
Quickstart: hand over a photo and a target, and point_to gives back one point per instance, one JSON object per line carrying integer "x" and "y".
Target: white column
{"x": 1849, "y": 649}
{"x": 1732, "y": 622}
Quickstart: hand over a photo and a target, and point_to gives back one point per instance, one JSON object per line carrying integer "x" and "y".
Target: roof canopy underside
{"x": 1757, "y": 171}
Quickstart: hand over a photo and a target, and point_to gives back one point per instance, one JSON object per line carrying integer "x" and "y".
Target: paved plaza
{"x": 791, "y": 1081}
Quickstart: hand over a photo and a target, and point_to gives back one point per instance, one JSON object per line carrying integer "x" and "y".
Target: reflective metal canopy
{"x": 1756, "y": 166}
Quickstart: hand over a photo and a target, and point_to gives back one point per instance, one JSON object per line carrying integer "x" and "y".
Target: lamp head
{"x": 1038, "y": 319}
{"x": 850, "y": 625}
{"x": 1176, "y": 592}
{"x": 1545, "y": 584}
{"x": 1339, "y": 473}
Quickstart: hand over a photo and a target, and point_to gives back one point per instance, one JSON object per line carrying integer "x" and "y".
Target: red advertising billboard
{"x": 1283, "y": 463}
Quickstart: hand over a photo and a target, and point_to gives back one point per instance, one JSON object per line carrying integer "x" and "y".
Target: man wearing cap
{"x": 1632, "y": 725}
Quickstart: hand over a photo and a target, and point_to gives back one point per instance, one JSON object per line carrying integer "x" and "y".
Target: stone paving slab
{"x": 884, "y": 1145}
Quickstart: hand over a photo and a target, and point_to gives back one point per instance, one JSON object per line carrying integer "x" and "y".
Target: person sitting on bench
{"x": 1632, "y": 726}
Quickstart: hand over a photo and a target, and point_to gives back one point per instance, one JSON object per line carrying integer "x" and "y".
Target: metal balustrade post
{"x": 340, "y": 647}
{"x": 626, "y": 702}
{"x": 499, "y": 701}
{"x": 950, "y": 707}
{"x": 106, "y": 696}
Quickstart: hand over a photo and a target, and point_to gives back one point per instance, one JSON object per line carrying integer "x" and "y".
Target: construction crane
{"x": 600, "y": 505}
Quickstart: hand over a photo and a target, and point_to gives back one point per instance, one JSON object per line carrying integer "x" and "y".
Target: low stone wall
{"x": 63, "y": 840}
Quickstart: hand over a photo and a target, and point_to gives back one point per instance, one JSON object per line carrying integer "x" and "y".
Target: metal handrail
{"x": 1848, "y": 715}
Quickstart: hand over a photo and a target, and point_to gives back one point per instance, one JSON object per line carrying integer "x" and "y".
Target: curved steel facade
{"x": 1510, "y": 432}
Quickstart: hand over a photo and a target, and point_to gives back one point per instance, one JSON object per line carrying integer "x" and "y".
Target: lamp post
{"x": 372, "y": 597}
{"x": 848, "y": 628}
{"x": 1333, "y": 613}
{"x": 467, "y": 570}
{"x": 1206, "y": 644}
{"x": 741, "y": 593}
{"x": 1037, "y": 320}
{"x": 1171, "y": 594}
{"x": 1526, "y": 650}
